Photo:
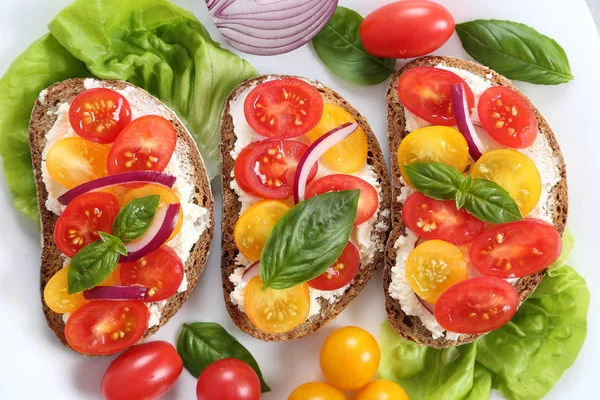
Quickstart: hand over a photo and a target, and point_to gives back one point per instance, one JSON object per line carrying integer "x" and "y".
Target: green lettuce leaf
{"x": 529, "y": 354}
{"x": 482, "y": 384}
{"x": 426, "y": 373}
{"x": 163, "y": 49}
{"x": 44, "y": 63}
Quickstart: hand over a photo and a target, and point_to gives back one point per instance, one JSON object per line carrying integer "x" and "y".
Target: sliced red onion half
{"x": 314, "y": 152}
{"x": 116, "y": 293}
{"x": 160, "y": 230}
{"x": 463, "y": 121}
{"x": 270, "y": 27}
{"x": 118, "y": 179}
{"x": 250, "y": 272}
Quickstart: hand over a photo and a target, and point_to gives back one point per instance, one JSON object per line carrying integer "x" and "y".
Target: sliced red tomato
{"x": 267, "y": 168}
{"x": 425, "y": 92}
{"x": 147, "y": 143}
{"x": 435, "y": 219}
{"x": 79, "y": 224}
{"x": 160, "y": 271}
{"x": 99, "y": 114}
{"x": 346, "y": 268}
{"x": 477, "y": 305}
{"x": 516, "y": 249}
{"x": 283, "y": 108}
{"x": 507, "y": 117}
{"x": 103, "y": 327}
{"x": 367, "y": 203}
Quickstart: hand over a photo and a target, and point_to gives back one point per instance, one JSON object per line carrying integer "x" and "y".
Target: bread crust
{"x": 231, "y": 209}
{"x": 42, "y": 119}
{"x": 410, "y": 327}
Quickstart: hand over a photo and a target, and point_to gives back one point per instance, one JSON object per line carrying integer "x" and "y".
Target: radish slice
{"x": 160, "y": 230}
{"x": 463, "y": 121}
{"x": 268, "y": 27}
{"x": 250, "y": 272}
{"x": 118, "y": 179}
{"x": 116, "y": 293}
{"x": 314, "y": 152}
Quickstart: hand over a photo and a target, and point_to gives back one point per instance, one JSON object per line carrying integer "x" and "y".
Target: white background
{"x": 34, "y": 365}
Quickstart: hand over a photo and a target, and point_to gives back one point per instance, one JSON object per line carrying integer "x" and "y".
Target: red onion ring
{"x": 116, "y": 293}
{"x": 250, "y": 272}
{"x": 314, "y": 152}
{"x": 463, "y": 121}
{"x": 267, "y": 27}
{"x": 160, "y": 230}
{"x": 118, "y": 179}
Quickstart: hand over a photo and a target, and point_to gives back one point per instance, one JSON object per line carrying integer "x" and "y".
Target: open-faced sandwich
{"x": 306, "y": 204}
{"x": 126, "y": 212}
{"x": 480, "y": 200}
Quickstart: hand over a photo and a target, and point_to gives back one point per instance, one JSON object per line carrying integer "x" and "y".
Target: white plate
{"x": 34, "y": 365}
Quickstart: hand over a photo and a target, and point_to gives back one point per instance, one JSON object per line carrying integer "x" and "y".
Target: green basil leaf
{"x": 433, "y": 179}
{"x": 308, "y": 239}
{"x": 202, "y": 343}
{"x": 463, "y": 191}
{"x": 491, "y": 203}
{"x": 94, "y": 263}
{"x": 340, "y": 48}
{"x": 515, "y": 50}
{"x": 135, "y": 218}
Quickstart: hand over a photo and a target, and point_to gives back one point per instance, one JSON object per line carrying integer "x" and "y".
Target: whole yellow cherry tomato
{"x": 317, "y": 391}
{"x": 382, "y": 389}
{"x": 349, "y": 155}
{"x": 350, "y": 358}
{"x": 433, "y": 144}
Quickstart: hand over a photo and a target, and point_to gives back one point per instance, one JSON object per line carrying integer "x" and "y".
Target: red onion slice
{"x": 463, "y": 121}
{"x": 268, "y": 27}
{"x": 158, "y": 233}
{"x": 116, "y": 293}
{"x": 429, "y": 306}
{"x": 118, "y": 179}
{"x": 250, "y": 272}
{"x": 314, "y": 152}
{"x": 332, "y": 271}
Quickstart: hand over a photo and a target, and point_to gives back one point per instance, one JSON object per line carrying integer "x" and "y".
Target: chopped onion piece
{"x": 158, "y": 233}
{"x": 463, "y": 121}
{"x": 250, "y": 272}
{"x": 314, "y": 152}
{"x": 267, "y": 27}
{"x": 118, "y": 179}
{"x": 332, "y": 271}
{"x": 116, "y": 293}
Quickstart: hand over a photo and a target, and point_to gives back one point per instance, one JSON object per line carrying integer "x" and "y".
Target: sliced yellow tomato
{"x": 317, "y": 391}
{"x": 349, "y": 155}
{"x": 382, "y": 389}
{"x": 73, "y": 161}
{"x": 276, "y": 311}
{"x": 58, "y": 299}
{"x": 167, "y": 196}
{"x": 434, "y": 144}
{"x": 433, "y": 266}
{"x": 515, "y": 172}
{"x": 254, "y": 226}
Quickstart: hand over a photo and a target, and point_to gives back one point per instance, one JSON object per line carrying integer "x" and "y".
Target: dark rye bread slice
{"x": 42, "y": 119}
{"x": 231, "y": 209}
{"x": 411, "y": 327}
